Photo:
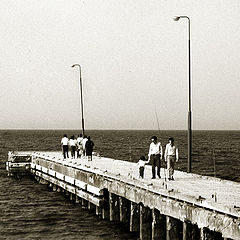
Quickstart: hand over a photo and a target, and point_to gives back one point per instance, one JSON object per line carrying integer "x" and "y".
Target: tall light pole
{"x": 81, "y": 94}
{"x": 189, "y": 164}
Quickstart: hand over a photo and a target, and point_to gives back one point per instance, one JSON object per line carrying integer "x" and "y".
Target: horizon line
{"x": 73, "y": 129}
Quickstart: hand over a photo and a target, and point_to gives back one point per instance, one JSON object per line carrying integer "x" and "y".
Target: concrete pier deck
{"x": 200, "y": 200}
{"x": 202, "y": 188}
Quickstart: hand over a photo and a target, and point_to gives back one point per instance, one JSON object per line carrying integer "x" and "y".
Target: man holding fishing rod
{"x": 154, "y": 155}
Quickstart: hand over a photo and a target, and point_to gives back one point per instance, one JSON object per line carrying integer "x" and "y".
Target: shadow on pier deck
{"x": 192, "y": 207}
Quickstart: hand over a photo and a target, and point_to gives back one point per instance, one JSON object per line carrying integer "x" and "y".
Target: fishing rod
{"x": 164, "y": 169}
{"x": 214, "y": 170}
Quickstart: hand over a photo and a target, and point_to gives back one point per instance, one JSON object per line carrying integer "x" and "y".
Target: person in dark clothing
{"x": 89, "y": 148}
{"x": 155, "y": 155}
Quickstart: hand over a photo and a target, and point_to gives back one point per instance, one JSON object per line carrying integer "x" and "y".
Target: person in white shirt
{"x": 171, "y": 156}
{"x": 79, "y": 146}
{"x": 73, "y": 145}
{"x": 141, "y": 165}
{"x": 64, "y": 143}
{"x": 83, "y": 145}
{"x": 154, "y": 155}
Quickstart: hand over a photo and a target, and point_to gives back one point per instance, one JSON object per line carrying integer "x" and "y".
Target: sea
{"x": 29, "y": 210}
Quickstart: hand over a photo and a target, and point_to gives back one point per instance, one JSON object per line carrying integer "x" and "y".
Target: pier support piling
{"x": 134, "y": 218}
{"x": 113, "y": 207}
{"x": 91, "y": 206}
{"x": 158, "y": 225}
{"x": 84, "y": 203}
{"x": 54, "y": 188}
{"x": 190, "y": 231}
{"x": 124, "y": 209}
{"x": 173, "y": 229}
{"x": 145, "y": 223}
{"x": 77, "y": 199}
{"x": 98, "y": 211}
{"x": 105, "y": 210}
{"x": 206, "y": 234}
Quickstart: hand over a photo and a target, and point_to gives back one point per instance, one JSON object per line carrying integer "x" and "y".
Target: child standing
{"x": 141, "y": 164}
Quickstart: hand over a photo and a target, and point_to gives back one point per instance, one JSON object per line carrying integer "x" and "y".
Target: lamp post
{"x": 81, "y": 94}
{"x": 189, "y": 164}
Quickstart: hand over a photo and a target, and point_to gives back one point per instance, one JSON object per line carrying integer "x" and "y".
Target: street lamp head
{"x": 176, "y": 18}
{"x": 74, "y": 65}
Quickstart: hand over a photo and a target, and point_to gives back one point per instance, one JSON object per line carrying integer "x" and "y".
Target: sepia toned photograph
{"x": 120, "y": 120}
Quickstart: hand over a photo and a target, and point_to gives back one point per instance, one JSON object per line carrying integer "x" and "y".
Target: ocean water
{"x": 30, "y": 210}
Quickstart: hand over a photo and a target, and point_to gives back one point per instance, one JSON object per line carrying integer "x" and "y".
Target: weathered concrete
{"x": 134, "y": 218}
{"x": 84, "y": 204}
{"x": 77, "y": 199}
{"x": 114, "y": 207}
{"x": 187, "y": 199}
{"x": 206, "y": 234}
{"x": 173, "y": 229}
{"x": 98, "y": 211}
{"x": 105, "y": 207}
{"x": 158, "y": 225}
{"x": 124, "y": 210}
{"x": 145, "y": 223}
{"x": 190, "y": 231}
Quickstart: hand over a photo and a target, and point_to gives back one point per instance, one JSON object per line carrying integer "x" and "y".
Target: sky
{"x": 134, "y": 61}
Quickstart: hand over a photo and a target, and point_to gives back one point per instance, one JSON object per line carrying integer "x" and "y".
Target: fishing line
{"x": 164, "y": 170}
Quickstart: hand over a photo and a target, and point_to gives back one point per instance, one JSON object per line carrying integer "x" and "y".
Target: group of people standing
{"x": 80, "y": 147}
{"x": 155, "y": 156}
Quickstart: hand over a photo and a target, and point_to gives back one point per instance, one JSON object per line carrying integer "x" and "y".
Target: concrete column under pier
{"x": 113, "y": 207}
{"x": 84, "y": 203}
{"x": 134, "y": 218}
{"x": 66, "y": 193}
{"x": 206, "y": 234}
{"x": 158, "y": 225}
{"x": 43, "y": 181}
{"x": 190, "y": 231}
{"x": 124, "y": 209}
{"x": 54, "y": 187}
{"x": 91, "y": 206}
{"x": 98, "y": 211}
{"x": 77, "y": 199}
{"x": 145, "y": 223}
{"x": 174, "y": 228}
{"x": 105, "y": 210}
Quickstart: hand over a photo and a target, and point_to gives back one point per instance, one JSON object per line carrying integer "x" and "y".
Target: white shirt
{"x": 155, "y": 148}
{"x": 141, "y": 163}
{"x": 171, "y": 150}
{"x": 64, "y": 141}
{"x": 72, "y": 142}
{"x": 79, "y": 140}
{"x": 84, "y": 142}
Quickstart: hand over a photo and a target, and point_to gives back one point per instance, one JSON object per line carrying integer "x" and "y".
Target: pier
{"x": 191, "y": 207}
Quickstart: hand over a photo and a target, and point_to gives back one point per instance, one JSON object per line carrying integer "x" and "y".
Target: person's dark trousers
{"x": 155, "y": 163}
{"x": 73, "y": 150}
{"x": 65, "y": 151}
{"x": 141, "y": 172}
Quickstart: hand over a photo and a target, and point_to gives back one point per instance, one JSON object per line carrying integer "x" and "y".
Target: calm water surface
{"x": 31, "y": 211}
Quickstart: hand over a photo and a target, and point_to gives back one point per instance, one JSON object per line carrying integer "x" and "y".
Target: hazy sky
{"x": 133, "y": 57}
